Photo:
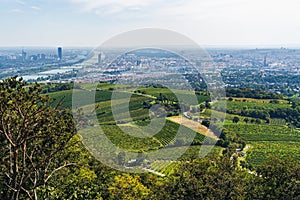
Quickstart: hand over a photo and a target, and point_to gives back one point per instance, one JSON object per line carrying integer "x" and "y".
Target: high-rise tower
{"x": 99, "y": 59}
{"x": 23, "y": 55}
{"x": 59, "y": 53}
{"x": 265, "y": 61}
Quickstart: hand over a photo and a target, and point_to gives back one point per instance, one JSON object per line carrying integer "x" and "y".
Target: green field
{"x": 171, "y": 94}
{"x": 260, "y": 151}
{"x": 254, "y": 132}
{"x": 264, "y": 140}
{"x": 267, "y": 140}
{"x": 165, "y": 137}
{"x": 256, "y": 104}
{"x": 161, "y": 163}
{"x": 66, "y": 97}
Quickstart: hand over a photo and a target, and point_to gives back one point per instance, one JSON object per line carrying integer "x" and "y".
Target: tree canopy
{"x": 34, "y": 139}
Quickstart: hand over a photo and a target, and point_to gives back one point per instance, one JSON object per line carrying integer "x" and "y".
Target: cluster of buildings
{"x": 276, "y": 70}
{"x": 24, "y": 56}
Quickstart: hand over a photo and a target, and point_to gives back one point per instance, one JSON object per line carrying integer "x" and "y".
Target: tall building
{"x": 265, "y": 61}
{"x": 59, "y": 53}
{"x": 99, "y": 59}
{"x": 24, "y": 54}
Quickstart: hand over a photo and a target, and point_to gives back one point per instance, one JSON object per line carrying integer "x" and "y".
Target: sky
{"x": 92, "y": 22}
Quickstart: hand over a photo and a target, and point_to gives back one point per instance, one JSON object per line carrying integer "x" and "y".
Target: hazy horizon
{"x": 89, "y": 23}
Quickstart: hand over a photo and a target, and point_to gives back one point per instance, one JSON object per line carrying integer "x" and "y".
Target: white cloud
{"x": 119, "y": 6}
{"x": 193, "y": 9}
{"x": 21, "y": 2}
{"x": 35, "y": 7}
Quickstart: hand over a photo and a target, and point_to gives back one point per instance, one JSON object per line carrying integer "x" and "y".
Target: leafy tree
{"x": 128, "y": 187}
{"x": 34, "y": 138}
{"x": 258, "y": 121}
{"x": 205, "y": 122}
{"x": 204, "y": 179}
{"x": 246, "y": 120}
{"x": 268, "y": 120}
{"x": 277, "y": 178}
{"x": 207, "y": 104}
{"x": 235, "y": 120}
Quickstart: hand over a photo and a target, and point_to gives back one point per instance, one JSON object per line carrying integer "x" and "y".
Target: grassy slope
{"x": 264, "y": 140}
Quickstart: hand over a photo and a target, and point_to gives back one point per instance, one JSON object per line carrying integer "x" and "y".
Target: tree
{"x": 34, "y": 138}
{"x": 246, "y": 120}
{"x": 277, "y": 178}
{"x": 215, "y": 178}
{"x": 205, "y": 122}
{"x": 128, "y": 187}
{"x": 207, "y": 104}
{"x": 235, "y": 120}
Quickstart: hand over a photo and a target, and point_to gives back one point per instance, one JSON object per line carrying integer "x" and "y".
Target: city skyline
{"x": 89, "y": 23}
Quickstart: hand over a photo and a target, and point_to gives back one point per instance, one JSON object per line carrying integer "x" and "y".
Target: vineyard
{"x": 254, "y": 132}
{"x": 160, "y": 162}
{"x": 264, "y": 139}
{"x": 256, "y": 104}
{"x": 165, "y": 167}
{"x": 170, "y": 94}
{"x": 260, "y": 151}
{"x": 168, "y": 136}
{"x": 66, "y": 97}
{"x": 190, "y": 153}
{"x": 268, "y": 140}
{"x": 136, "y": 110}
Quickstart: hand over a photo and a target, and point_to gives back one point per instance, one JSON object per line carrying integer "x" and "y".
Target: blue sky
{"x": 91, "y": 22}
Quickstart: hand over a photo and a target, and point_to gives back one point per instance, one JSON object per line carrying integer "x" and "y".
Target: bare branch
{"x": 59, "y": 168}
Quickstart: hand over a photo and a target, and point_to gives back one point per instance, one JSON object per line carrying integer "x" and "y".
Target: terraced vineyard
{"x": 66, "y": 97}
{"x": 170, "y": 95}
{"x": 191, "y": 153}
{"x": 136, "y": 110}
{"x": 259, "y": 151}
{"x": 267, "y": 140}
{"x": 165, "y": 167}
{"x": 165, "y": 137}
{"x": 264, "y": 140}
{"x": 254, "y": 132}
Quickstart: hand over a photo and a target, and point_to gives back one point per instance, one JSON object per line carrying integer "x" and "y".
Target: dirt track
{"x": 196, "y": 126}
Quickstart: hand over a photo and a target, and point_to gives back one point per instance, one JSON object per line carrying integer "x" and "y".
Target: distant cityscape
{"x": 276, "y": 70}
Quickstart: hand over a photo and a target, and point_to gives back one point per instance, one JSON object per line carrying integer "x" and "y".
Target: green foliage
{"x": 165, "y": 137}
{"x": 205, "y": 122}
{"x": 259, "y": 151}
{"x": 277, "y": 178}
{"x": 235, "y": 120}
{"x": 267, "y": 140}
{"x": 128, "y": 187}
{"x": 48, "y": 88}
{"x": 203, "y": 179}
{"x": 65, "y": 97}
{"x": 165, "y": 167}
{"x": 26, "y": 114}
{"x": 251, "y": 93}
{"x": 253, "y": 132}
{"x": 191, "y": 153}
{"x": 34, "y": 137}
{"x": 136, "y": 109}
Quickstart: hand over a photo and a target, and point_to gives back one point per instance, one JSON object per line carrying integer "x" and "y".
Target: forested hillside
{"x": 43, "y": 155}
